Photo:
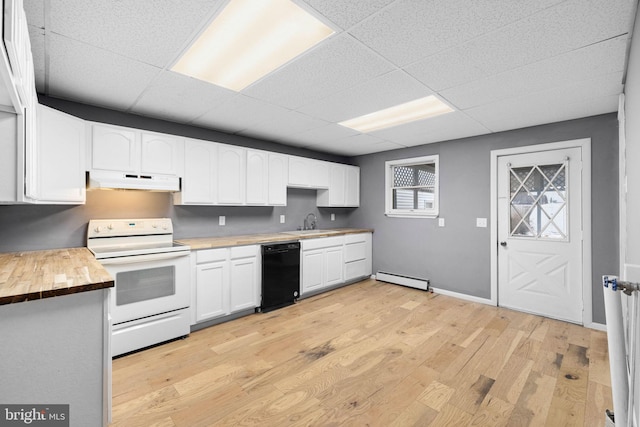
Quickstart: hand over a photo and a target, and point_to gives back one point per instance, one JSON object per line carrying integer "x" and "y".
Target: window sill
{"x": 410, "y": 215}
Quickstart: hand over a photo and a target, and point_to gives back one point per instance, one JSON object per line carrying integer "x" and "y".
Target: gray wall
{"x": 457, "y": 256}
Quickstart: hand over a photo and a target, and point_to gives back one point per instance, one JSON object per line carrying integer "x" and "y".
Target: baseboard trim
{"x": 462, "y": 296}
{"x": 596, "y": 326}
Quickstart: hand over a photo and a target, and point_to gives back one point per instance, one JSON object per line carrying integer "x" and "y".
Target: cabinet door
{"x": 9, "y": 162}
{"x": 299, "y": 175}
{"x": 199, "y": 183}
{"x": 114, "y": 149}
{"x": 319, "y": 174}
{"x": 333, "y": 266}
{"x": 312, "y": 267}
{"x": 211, "y": 290}
{"x": 335, "y": 195}
{"x": 278, "y": 175}
{"x": 243, "y": 284}
{"x": 59, "y": 158}
{"x": 257, "y": 177}
{"x": 161, "y": 154}
{"x": 231, "y": 175}
{"x": 352, "y": 197}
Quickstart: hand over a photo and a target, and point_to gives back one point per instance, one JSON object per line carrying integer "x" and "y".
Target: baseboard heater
{"x": 399, "y": 279}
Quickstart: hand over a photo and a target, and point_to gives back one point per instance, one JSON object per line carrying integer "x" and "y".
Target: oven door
{"x": 146, "y": 285}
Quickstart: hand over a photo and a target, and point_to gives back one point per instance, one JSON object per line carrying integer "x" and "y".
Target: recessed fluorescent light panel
{"x": 248, "y": 40}
{"x": 411, "y": 111}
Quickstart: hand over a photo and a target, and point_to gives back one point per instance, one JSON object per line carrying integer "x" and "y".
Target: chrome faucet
{"x": 310, "y": 224}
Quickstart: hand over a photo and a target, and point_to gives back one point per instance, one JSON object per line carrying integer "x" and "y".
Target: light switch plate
{"x": 440, "y": 222}
{"x": 333, "y": 217}
{"x": 222, "y": 220}
{"x": 281, "y": 219}
{"x": 481, "y": 222}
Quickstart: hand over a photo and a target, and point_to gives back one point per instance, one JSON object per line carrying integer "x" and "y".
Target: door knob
{"x": 503, "y": 243}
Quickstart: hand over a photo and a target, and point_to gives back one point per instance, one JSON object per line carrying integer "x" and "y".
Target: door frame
{"x": 587, "y": 286}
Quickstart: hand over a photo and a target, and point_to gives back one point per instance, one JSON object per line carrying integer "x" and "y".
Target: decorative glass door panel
{"x": 538, "y": 201}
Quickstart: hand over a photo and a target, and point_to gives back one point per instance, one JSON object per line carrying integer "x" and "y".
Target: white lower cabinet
{"x": 226, "y": 280}
{"x": 357, "y": 256}
{"x": 322, "y": 263}
{"x": 331, "y": 261}
{"x": 244, "y": 289}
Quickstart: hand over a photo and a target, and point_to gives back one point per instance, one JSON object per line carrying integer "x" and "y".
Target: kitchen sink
{"x": 307, "y": 232}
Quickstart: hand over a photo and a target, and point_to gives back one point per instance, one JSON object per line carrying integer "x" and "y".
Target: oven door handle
{"x": 142, "y": 258}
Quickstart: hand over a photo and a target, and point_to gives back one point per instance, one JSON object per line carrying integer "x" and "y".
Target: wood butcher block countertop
{"x": 26, "y": 276}
{"x": 258, "y": 239}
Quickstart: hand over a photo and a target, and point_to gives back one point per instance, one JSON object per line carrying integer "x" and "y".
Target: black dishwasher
{"x": 280, "y": 275}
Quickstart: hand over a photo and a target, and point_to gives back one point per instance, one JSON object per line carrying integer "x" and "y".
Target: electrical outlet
{"x": 481, "y": 222}
{"x": 222, "y": 220}
{"x": 440, "y": 222}
{"x": 281, "y": 219}
{"x": 333, "y": 217}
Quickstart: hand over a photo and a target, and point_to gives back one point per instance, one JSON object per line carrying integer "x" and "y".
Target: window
{"x": 412, "y": 187}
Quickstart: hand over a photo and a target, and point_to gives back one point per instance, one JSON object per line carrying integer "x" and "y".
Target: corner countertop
{"x": 26, "y": 276}
{"x": 257, "y": 239}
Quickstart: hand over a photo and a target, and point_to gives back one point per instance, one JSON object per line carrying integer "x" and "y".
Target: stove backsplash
{"x": 34, "y": 227}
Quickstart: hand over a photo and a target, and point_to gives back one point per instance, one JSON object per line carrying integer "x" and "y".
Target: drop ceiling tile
{"x": 237, "y": 114}
{"x": 446, "y": 69}
{"x": 409, "y": 30}
{"x": 347, "y": 13}
{"x": 36, "y": 37}
{"x": 179, "y": 98}
{"x": 332, "y": 66}
{"x": 279, "y": 123}
{"x": 95, "y": 76}
{"x": 320, "y": 135}
{"x": 580, "y": 99}
{"x": 381, "y": 92}
{"x": 441, "y": 128}
{"x": 565, "y": 27}
{"x": 581, "y": 64}
{"x": 148, "y": 31}
{"x": 356, "y": 145}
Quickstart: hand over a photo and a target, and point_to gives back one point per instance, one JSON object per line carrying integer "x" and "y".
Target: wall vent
{"x": 399, "y": 279}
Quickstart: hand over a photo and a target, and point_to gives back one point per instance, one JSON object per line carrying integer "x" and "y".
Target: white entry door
{"x": 540, "y": 233}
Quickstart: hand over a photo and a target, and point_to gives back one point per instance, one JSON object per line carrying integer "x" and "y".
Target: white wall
{"x": 632, "y": 160}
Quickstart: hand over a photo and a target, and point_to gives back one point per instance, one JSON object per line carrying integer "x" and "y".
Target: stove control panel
{"x": 129, "y": 227}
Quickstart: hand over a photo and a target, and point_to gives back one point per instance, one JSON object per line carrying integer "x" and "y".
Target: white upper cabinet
{"x": 344, "y": 187}
{"x": 319, "y": 174}
{"x": 278, "y": 171}
{"x": 200, "y": 178}
{"x": 9, "y": 160}
{"x": 232, "y": 175}
{"x": 352, "y": 196}
{"x": 161, "y": 154}
{"x": 114, "y": 148}
{"x": 56, "y": 166}
{"x": 121, "y": 149}
{"x": 257, "y": 177}
{"x": 308, "y": 173}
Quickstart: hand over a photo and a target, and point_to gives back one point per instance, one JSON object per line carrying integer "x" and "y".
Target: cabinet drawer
{"x": 322, "y": 242}
{"x": 355, "y": 252}
{"x": 244, "y": 251}
{"x": 355, "y": 238}
{"x": 355, "y": 269}
{"x": 211, "y": 255}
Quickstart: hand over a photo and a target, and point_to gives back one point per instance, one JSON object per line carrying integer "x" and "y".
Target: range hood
{"x": 127, "y": 181}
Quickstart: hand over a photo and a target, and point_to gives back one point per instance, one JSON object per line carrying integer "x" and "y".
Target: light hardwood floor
{"x": 371, "y": 354}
